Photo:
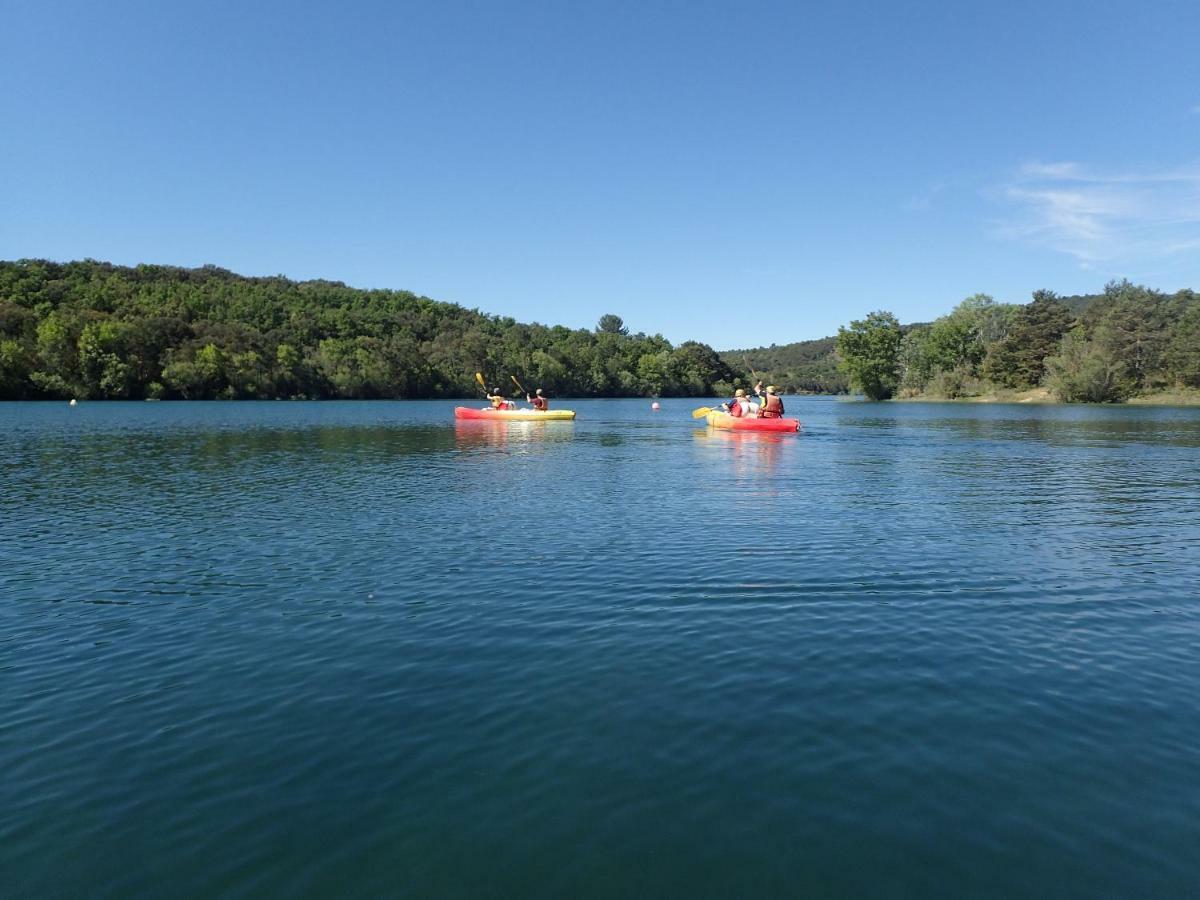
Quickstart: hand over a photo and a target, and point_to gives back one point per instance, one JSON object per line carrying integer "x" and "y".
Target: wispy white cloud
{"x": 926, "y": 198}
{"x": 1126, "y": 217}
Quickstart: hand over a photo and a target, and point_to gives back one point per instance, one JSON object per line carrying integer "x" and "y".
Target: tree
{"x": 1088, "y": 370}
{"x": 916, "y": 364}
{"x": 57, "y": 350}
{"x": 102, "y": 355}
{"x": 14, "y": 365}
{"x": 991, "y": 320}
{"x": 869, "y": 350}
{"x": 953, "y": 341}
{"x": 199, "y": 375}
{"x": 1183, "y": 354}
{"x": 695, "y": 368}
{"x": 611, "y": 324}
{"x": 1017, "y": 361}
{"x": 1139, "y": 324}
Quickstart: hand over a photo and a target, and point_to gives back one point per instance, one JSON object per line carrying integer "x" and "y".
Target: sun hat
{"x": 739, "y": 393}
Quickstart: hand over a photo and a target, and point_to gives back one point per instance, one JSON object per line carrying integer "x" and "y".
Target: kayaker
{"x": 770, "y": 405}
{"x": 739, "y": 406}
{"x": 498, "y": 400}
{"x": 539, "y": 402}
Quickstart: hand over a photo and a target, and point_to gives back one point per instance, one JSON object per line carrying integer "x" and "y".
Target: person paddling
{"x": 539, "y": 402}
{"x": 739, "y": 406}
{"x": 771, "y": 405}
{"x": 498, "y": 400}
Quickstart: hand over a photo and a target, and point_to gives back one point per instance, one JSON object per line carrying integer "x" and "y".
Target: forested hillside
{"x": 801, "y": 367}
{"x": 94, "y": 330}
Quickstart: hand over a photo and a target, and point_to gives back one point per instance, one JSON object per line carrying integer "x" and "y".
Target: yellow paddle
{"x": 701, "y": 412}
{"x": 479, "y": 378}
{"x": 518, "y": 384}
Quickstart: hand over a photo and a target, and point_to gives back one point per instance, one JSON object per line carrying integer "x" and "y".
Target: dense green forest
{"x": 94, "y": 330}
{"x": 1128, "y": 341}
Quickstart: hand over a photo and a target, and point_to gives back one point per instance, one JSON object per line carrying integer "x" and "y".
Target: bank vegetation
{"x": 1129, "y": 343}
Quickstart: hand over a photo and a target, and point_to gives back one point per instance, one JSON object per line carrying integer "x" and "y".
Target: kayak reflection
{"x": 484, "y": 433}
{"x": 750, "y": 452}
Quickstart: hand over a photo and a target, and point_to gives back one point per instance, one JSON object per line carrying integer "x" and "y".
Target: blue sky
{"x": 739, "y": 173}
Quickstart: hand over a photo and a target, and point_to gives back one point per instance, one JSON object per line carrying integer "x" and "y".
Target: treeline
{"x": 1127, "y": 341}
{"x": 94, "y": 330}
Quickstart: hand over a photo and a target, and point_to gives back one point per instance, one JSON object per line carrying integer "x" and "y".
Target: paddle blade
{"x": 701, "y": 412}
{"x": 518, "y": 384}
{"x": 479, "y": 378}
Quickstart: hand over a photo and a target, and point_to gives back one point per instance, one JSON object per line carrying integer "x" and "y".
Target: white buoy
{"x": 72, "y": 401}
{"x": 654, "y": 405}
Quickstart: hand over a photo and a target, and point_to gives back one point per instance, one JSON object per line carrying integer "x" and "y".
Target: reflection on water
{"x": 745, "y": 454}
{"x": 483, "y": 432}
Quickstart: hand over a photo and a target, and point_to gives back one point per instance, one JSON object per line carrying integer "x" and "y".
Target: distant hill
{"x": 802, "y": 367}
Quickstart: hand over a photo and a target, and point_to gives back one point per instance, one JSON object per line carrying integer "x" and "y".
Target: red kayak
{"x": 718, "y": 419}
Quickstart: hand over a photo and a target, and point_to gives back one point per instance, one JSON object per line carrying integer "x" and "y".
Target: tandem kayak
{"x": 514, "y": 415}
{"x": 718, "y": 419}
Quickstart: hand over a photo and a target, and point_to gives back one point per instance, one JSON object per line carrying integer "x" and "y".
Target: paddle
{"x": 518, "y": 384}
{"x": 701, "y": 412}
{"x": 483, "y": 384}
{"x": 750, "y": 367}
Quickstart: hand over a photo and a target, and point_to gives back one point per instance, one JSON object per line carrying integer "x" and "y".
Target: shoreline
{"x": 1185, "y": 397}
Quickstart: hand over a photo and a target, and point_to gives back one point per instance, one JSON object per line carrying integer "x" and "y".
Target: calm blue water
{"x": 355, "y": 649}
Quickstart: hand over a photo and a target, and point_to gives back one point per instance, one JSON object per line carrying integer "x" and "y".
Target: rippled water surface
{"x": 346, "y": 649}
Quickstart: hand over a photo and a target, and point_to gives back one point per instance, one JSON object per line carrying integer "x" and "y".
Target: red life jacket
{"x": 499, "y": 402}
{"x": 772, "y": 407}
{"x": 735, "y": 409}
{"x": 540, "y": 403}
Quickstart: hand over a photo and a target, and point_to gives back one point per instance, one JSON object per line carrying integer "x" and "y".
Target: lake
{"x": 358, "y": 649}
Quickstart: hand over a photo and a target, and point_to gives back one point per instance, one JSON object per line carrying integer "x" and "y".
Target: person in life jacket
{"x": 540, "y": 403}
{"x": 498, "y": 401}
{"x": 771, "y": 405}
{"x": 739, "y": 406}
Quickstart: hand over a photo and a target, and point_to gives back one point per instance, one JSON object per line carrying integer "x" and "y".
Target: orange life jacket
{"x": 772, "y": 407}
